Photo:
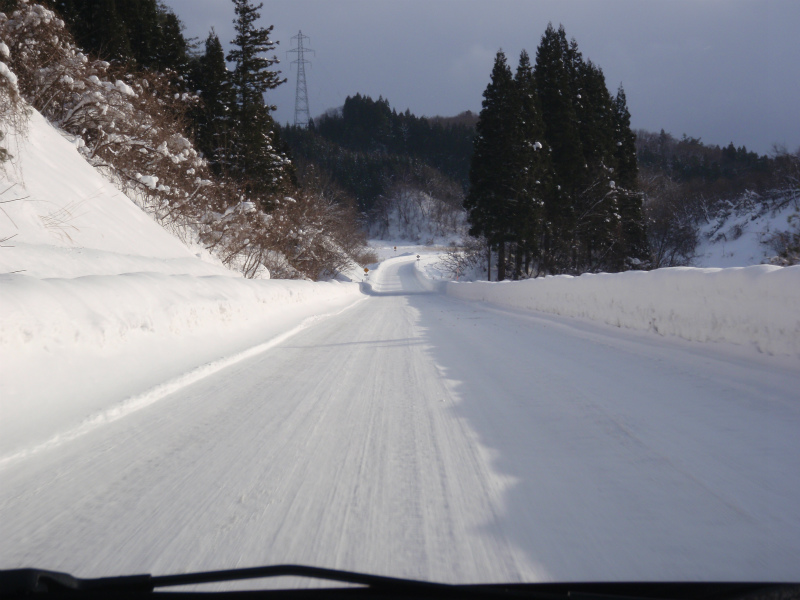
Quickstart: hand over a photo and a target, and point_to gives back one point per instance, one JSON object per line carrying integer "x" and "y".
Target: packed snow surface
{"x": 423, "y": 436}
{"x": 159, "y": 414}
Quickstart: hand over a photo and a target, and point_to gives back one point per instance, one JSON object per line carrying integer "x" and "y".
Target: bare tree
{"x": 671, "y": 222}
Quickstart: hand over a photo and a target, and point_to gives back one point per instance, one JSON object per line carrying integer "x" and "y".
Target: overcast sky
{"x": 720, "y": 70}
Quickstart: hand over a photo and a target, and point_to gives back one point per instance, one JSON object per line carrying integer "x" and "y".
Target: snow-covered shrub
{"x": 787, "y": 242}
{"x": 313, "y": 235}
{"x": 11, "y": 112}
{"x": 130, "y": 125}
{"x": 468, "y": 260}
{"x": 127, "y": 123}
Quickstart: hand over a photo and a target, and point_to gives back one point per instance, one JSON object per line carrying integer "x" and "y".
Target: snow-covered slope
{"x": 65, "y": 220}
{"x": 414, "y": 216}
{"x": 99, "y": 304}
{"x": 742, "y": 232}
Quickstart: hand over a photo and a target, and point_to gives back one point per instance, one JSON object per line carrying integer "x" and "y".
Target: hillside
{"x": 142, "y": 126}
{"x": 749, "y": 230}
{"x": 367, "y": 148}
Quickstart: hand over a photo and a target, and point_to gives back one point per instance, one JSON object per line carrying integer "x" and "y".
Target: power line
{"x": 301, "y": 113}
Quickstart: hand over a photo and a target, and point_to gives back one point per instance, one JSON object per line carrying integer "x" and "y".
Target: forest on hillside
{"x": 683, "y": 182}
{"x": 367, "y": 146}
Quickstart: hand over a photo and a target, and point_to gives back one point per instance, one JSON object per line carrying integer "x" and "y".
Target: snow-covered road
{"x": 421, "y": 436}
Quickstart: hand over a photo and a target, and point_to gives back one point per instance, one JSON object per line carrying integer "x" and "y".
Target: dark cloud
{"x": 721, "y": 70}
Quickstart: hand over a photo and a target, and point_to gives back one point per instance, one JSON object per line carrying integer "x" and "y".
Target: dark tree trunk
{"x": 501, "y": 262}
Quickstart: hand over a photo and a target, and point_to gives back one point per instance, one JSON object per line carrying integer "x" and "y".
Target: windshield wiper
{"x": 27, "y": 583}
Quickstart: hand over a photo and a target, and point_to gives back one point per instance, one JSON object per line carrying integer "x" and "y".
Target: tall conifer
{"x": 634, "y": 234}
{"x": 488, "y": 201}
{"x": 527, "y": 169}
{"x": 213, "y": 116}
{"x": 595, "y": 199}
{"x": 259, "y": 156}
{"x": 553, "y": 177}
{"x": 555, "y": 79}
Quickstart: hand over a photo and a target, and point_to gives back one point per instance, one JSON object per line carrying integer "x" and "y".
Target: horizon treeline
{"x": 372, "y": 125}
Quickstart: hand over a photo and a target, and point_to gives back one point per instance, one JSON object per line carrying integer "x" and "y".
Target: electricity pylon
{"x": 301, "y": 112}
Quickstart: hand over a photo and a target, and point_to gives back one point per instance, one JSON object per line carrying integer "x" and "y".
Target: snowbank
{"x": 757, "y": 305}
{"x": 70, "y": 348}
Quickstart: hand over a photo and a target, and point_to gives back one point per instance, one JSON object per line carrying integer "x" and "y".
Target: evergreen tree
{"x": 213, "y": 116}
{"x": 527, "y": 169}
{"x": 140, "y": 18}
{"x": 258, "y": 155}
{"x": 488, "y": 202}
{"x": 171, "y": 50}
{"x": 595, "y": 199}
{"x": 554, "y": 169}
{"x": 634, "y": 235}
{"x": 252, "y": 76}
{"x": 97, "y": 27}
{"x": 627, "y": 172}
{"x": 555, "y": 80}
{"x": 143, "y": 33}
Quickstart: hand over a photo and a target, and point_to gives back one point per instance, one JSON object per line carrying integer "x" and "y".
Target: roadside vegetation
{"x": 224, "y": 179}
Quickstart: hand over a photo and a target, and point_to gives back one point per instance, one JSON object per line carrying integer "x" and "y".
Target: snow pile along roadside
{"x": 757, "y": 305}
{"x": 72, "y": 347}
{"x": 102, "y": 313}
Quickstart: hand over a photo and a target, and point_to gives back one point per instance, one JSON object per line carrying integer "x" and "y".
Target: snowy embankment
{"x": 102, "y": 310}
{"x": 88, "y": 350}
{"x": 756, "y": 306}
